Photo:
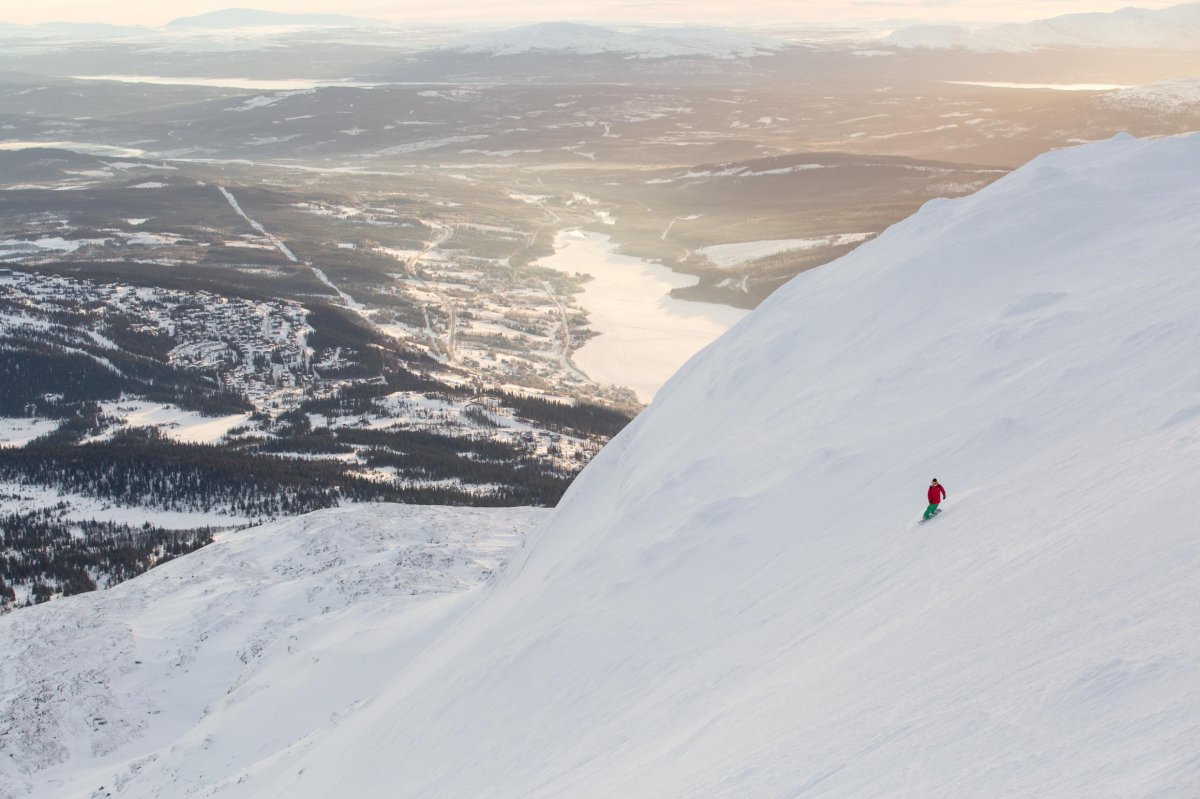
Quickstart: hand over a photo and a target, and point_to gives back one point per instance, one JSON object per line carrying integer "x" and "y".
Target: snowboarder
{"x": 936, "y": 495}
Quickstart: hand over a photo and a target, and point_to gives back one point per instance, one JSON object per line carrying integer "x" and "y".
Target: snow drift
{"x": 734, "y": 598}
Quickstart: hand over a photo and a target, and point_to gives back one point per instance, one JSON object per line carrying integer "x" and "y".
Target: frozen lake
{"x": 75, "y": 146}
{"x": 1059, "y": 87}
{"x": 645, "y": 335}
{"x": 256, "y": 84}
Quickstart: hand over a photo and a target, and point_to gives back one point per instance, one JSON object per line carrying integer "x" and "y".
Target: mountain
{"x": 1181, "y": 96}
{"x": 322, "y": 609}
{"x": 1174, "y": 28}
{"x": 579, "y": 39}
{"x": 734, "y": 599}
{"x": 255, "y": 18}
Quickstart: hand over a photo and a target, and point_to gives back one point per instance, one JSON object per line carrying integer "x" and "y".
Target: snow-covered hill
{"x": 580, "y": 39}
{"x": 1173, "y": 28}
{"x": 1180, "y": 96}
{"x": 212, "y": 663}
{"x": 735, "y": 599}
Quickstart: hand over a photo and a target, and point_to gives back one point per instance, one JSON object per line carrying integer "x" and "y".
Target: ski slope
{"x": 734, "y": 599}
{"x": 216, "y": 661}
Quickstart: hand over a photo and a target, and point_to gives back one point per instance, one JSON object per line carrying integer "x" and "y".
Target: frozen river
{"x": 645, "y": 334}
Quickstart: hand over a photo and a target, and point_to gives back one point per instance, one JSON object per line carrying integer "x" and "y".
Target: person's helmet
{"x": 935, "y": 479}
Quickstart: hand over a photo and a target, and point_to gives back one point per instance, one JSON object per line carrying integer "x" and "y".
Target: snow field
{"x": 319, "y": 611}
{"x": 17, "y": 432}
{"x": 1178, "y": 96}
{"x": 188, "y": 427}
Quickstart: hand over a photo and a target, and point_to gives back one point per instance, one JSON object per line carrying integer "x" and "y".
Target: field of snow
{"x": 645, "y": 335}
{"x": 16, "y": 498}
{"x": 189, "y": 661}
{"x": 175, "y": 423}
{"x": 734, "y": 599}
{"x": 1167, "y": 96}
{"x": 20, "y": 431}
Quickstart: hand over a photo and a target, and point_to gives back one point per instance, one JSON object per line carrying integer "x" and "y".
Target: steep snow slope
{"x": 221, "y": 659}
{"x": 734, "y": 598}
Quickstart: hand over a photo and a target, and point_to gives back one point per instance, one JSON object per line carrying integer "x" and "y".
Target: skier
{"x": 936, "y": 495}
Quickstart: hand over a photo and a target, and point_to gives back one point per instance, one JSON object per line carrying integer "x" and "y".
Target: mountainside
{"x": 1176, "y": 27}
{"x": 734, "y": 599}
{"x": 184, "y": 668}
{"x": 1180, "y": 96}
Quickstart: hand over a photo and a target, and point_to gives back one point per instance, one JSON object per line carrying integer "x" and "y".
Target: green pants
{"x": 932, "y": 509}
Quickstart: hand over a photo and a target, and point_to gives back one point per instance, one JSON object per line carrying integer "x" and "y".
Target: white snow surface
{"x": 1178, "y": 96}
{"x": 734, "y": 599}
{"x": 1173, "y": 28}
{"x": 175, "y": 423}
{"x": 17, "y": 432}
{"x": 214, "y": 662}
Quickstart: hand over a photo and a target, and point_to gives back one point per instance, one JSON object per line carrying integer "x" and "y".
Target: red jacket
{"x": 936, "y": 494}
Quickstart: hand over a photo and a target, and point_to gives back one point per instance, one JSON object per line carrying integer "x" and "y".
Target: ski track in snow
{"x": 346, "y": 299}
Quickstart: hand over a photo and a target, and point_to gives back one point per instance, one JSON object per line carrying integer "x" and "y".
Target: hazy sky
{"x": 749, "y": 12}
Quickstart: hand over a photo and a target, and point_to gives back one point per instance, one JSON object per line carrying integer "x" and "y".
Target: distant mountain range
{"x": 224, "y": 19}
{"x": 571, "y": 37}
{"x": 256, "y": 18}
{"x": 1175, "y": 28}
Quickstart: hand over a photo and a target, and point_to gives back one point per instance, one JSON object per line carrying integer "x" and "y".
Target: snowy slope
{"x": 580, "y": 39}
{"x": 1174, "y": 28}
{"x": 734, "y": 599}
{"x": 1179, "y": 96}
{"x": 228, "y": 656}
